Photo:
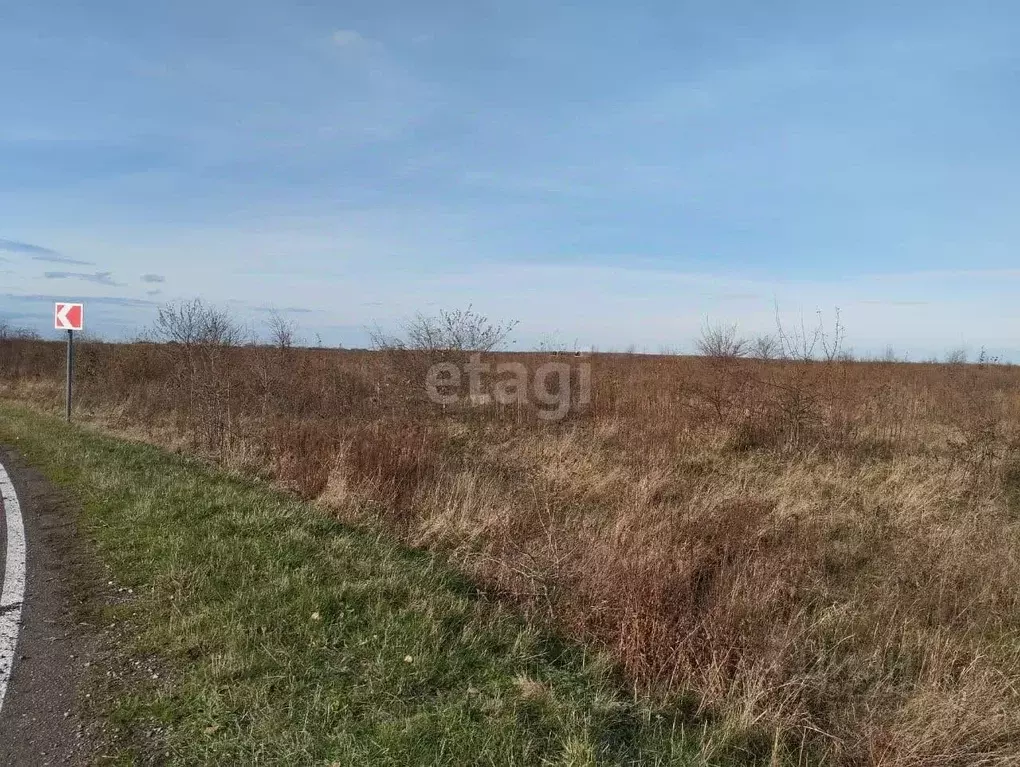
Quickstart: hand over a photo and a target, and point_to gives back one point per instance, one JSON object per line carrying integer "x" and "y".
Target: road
{"x": 43, "y": 651}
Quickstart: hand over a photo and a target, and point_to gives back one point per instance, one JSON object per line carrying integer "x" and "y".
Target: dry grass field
{"x": 824, "y": 552}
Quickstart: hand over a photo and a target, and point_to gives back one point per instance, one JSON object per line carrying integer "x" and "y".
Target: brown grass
{"x": 827, "y": 552}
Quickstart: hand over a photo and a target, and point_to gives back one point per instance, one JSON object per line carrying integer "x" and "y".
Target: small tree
{"x": 459, "y": 330}
{"x": 956, "y": 356}
{"x": 197, "y": 337}
{"x": 720, "y": 341}
{"x": 428, "y": 339}
{"x": 832, "y": 342}
{"x": 984, "y": 358}
{"x": 799, "y": 342}
{"x": 766, "y": 347}
{"x": 722, "y": 347}
{"x": 196, "y": 323}
{"x": 282, "y": 331}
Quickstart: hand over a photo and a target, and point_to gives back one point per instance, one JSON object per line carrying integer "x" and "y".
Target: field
{"x": 242, "y": 627}
{"x": 820, "y": 556}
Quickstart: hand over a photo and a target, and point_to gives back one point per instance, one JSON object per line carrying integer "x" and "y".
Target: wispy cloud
{"x": 100, "y": 300}
{"x": 39, "y": 253}
{"x": 153, "y": 278}
{"x": 13, "y": 246}
{"x": 99, "y": 278}
{"x": 153, "y": 292}
{"x": 56, "y": 258}
{"x": 284, "y": 310}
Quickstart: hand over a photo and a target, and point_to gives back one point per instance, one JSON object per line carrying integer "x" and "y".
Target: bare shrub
{"x": 195, "y": 323}
{"x": 956, "y": 356}
{"x": 12, "y": 332}
{"x": 195, "y": 338}
{"x": 449, "y": 336}
{"x": 720, "y": 341}
{"x": 459, "y": 330}
{"x": 800, "y": 342}
{"x": 283, "y": 332}
{"x": 766, "y": 347}
{"x": 797, "y": 342}
{"x": 987, "y": 358}
{"x": 832, "y": 339}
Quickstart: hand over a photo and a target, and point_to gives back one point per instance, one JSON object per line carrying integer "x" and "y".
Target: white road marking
{"x": 13, "y": 592}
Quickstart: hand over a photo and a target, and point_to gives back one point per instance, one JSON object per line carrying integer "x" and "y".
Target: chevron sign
{"x": 70, "y": 317}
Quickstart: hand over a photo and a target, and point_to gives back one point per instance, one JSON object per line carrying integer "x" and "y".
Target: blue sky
{"x": 606, "y": 173}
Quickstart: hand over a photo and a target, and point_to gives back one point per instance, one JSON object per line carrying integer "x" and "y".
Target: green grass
{"x": 284, "y": 637}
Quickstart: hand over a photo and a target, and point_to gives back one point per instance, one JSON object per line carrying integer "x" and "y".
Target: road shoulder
{"x": 43, "y": 720}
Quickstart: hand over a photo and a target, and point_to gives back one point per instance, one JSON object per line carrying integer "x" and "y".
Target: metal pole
{"x": 70, "y": 372}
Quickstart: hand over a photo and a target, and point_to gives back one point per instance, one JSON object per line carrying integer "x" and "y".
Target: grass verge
{"x": 285, "y": 637}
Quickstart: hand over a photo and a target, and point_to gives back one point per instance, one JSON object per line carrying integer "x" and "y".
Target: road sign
{"x": 69, "y": 317}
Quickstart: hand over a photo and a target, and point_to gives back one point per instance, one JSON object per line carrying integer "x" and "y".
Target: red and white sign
{"x": 70, "y": 317}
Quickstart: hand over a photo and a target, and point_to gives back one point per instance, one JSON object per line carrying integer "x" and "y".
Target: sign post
{"x": 69, "y": 317}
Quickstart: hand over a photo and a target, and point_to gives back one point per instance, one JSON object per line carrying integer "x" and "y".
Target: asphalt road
{"x": 41, "y": 720}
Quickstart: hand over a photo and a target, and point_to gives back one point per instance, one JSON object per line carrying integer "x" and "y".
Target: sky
{"x": 608, "y": 174}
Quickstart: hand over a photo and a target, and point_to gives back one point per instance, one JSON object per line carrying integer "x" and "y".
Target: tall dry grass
{"x": 827, "y": 553}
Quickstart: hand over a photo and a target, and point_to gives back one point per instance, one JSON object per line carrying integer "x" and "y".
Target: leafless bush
{"x": 890, "y": 355}
{"x": 987, "y": 358}
{"x": 766, "y": 347}
{"x": 551, "y": 343}
{"x": 956, "y": 356}
{"x": 20, "y": 354}
{"x": 195, "y": 337}
{"x": 797, "y": 343}
{"x": 449, "y": 336}
{"x": 720, "y": 341}
{"x": 459, "y": 330}
{"x": 10, "y": 332}
{"x": 282, "y": 331}
{"x": 725, "y": 390}
{"x": 832, "y": 340}
{"x": 800, "y": 342}
{"x": 196, "y": 323}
